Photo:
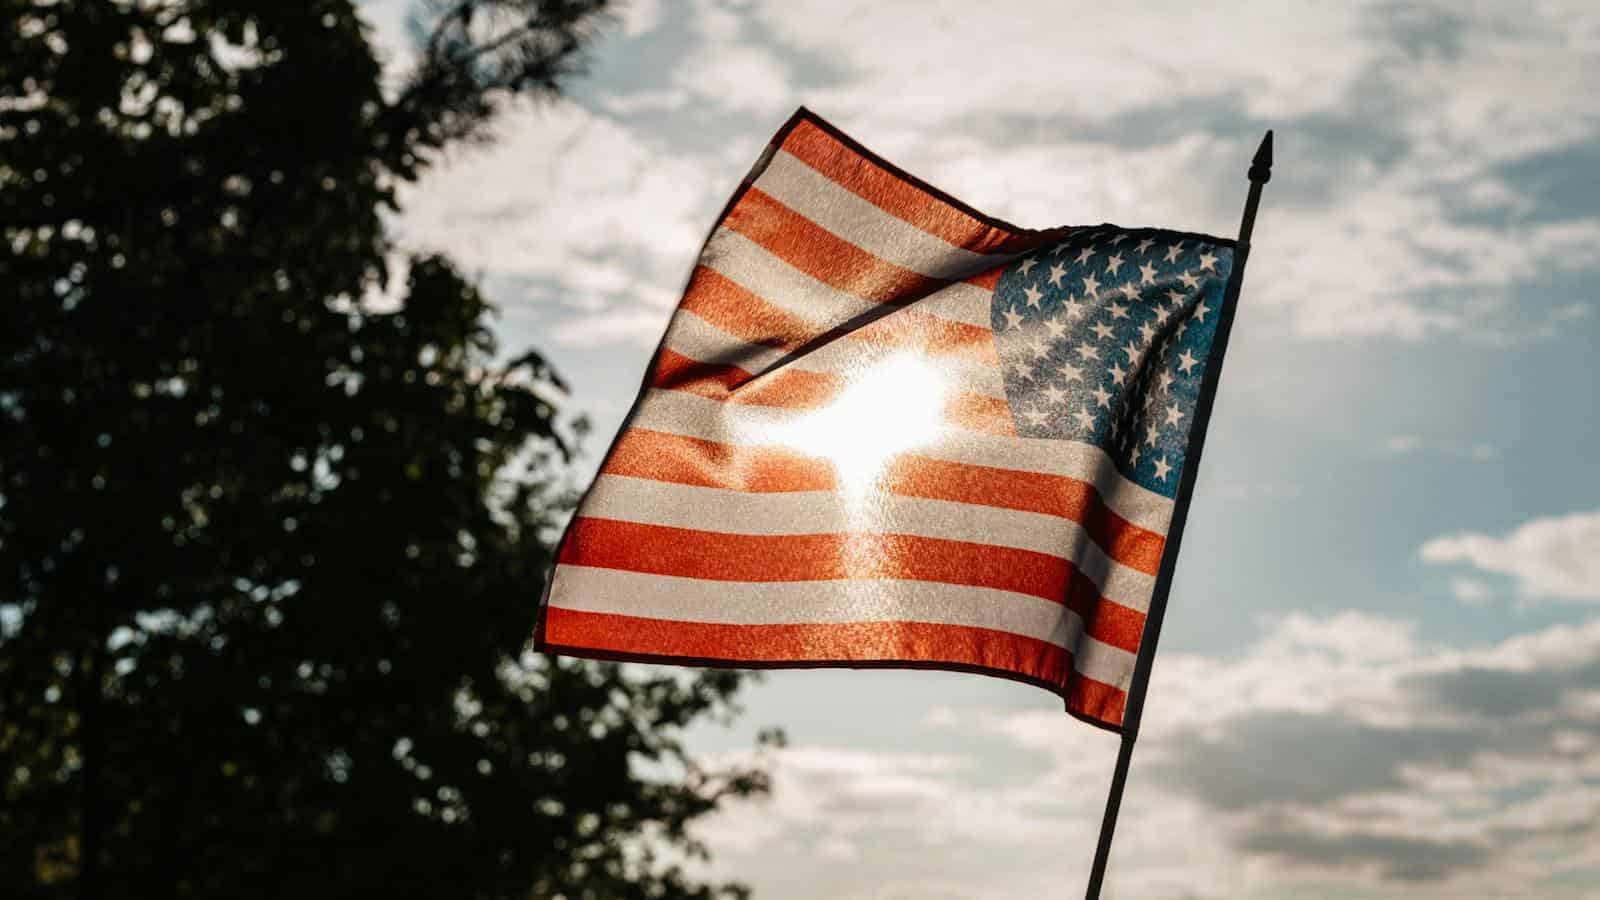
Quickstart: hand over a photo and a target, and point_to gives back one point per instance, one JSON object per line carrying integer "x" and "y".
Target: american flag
{"x": 883, "y": 429}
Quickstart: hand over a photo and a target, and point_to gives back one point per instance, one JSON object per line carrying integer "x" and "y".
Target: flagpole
{"x": 1260, "y": 173}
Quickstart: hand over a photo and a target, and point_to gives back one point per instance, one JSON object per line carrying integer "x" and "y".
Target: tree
{"x": 269, "y": 551}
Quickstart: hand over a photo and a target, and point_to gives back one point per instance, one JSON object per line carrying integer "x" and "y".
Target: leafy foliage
{"x": 270, "y": 544}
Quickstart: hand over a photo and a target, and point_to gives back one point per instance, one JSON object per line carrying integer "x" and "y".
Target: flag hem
{"x": 704, "y": 662}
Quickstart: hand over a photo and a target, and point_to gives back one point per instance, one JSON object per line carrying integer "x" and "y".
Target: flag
{"x": 884, "y": 429}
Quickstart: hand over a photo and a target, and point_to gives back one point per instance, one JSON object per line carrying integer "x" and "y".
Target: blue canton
{"x": 1104, "y": 339}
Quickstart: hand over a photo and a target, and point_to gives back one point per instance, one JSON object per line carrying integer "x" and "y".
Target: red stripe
{"x": 788, "y": 387}
{"x": 824, "y": 255}
{"x": 642, "y": 453}
{"x": 988, "y": 279}
{"x": 751, "y": 318}
{"x": 906, "y": 643}
{"x": 725, "y": 304}
{"x": 721, "y": 556}
{"x": 1053, "y": 495}
{"x": 890, "y": 192}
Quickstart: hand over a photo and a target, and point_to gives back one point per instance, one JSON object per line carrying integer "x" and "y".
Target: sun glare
{"x": 888, "y": 408}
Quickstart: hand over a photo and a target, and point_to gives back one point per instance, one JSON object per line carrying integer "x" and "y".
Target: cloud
{"x": 1553, "y": 557}
{"x": 1402, "y": 207}
{"x": 573, "y": 211}
{"x": 1398, "y": 445}
{"x": 1471, "y": 591}
{"x": 1337, "y": 757}
{"x": 1391, "y": 216}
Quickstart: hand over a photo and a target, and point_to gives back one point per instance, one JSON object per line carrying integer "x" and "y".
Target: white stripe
{"x": 759, "y": 271}
{"x": 961, "y": 302}
{"x": 649, "y": 502}
{"x": 689, "y": 415}
{"x": 852, "y": 218}
{"x": 817, "y": 303}
{"x": 694, "y": 337}
{"x": 669, "y": 597}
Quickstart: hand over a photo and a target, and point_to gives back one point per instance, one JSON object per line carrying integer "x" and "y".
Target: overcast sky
{"x": 1380, "y": 673}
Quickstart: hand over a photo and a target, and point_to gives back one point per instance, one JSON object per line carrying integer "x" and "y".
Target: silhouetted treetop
{"x": 274, "y": 520}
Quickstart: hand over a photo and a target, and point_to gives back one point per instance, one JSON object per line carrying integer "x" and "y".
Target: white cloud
{"x": 1389, "y": 216}
{"x": 1400, "y": 444}
{"x": 1337, "y": 757}
{"x": 939, "y": 62}
{"x": 585, "y": 213}
{"x": 1471, "y": 591}
{"x": 1552, "y": 557}
{"x": 737, "y": 78}
{"x": 1367, "y": 243}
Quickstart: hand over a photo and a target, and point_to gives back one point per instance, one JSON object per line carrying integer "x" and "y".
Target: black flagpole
{"x": 1260, "y": 174}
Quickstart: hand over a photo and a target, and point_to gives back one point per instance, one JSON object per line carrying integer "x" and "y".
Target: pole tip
{"x": 1261, "y": 164}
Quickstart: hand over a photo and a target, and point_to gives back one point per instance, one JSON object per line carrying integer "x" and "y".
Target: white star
{"x": 1035, "y": 416}
{"x": 1085, "y": 419}
{"x": 1022, "y": 368}
{"x": 1118, "y": 239}
{"x": 1174, "y": 251}
{"x": 1143, "y": 245}
{"x": 1056, "y": 327}
{"x": 1147, "y": 332}
{"x": 1166, "y": 380}
{"x": 1186, "y": 361}
{"x": 1091, "y": 287}
{"x": 1040, "y": 349}
{"x": 1176, "y": 296}
{"x": 1033, "y": 294}
{"x": 1147, "y": 273}
{"x": 1133, "y": 352}
{"x": 1130, "y": 291}
{"x": 1150, "y": 434}
{"x": 1102, "y": 397}
{"x": 1118, "y": 376}
{"x": 1013, "y": 319}
{"x": 1088, "y": 350}
{"x": 1113, "y": 262}
{"x": 1070, "y": 373}
{"x": 1118, "y": 311}
{"x": 1054, "y": 394}
{"x": 1162, "y": 468}
{"x": 1174, "y": 414}
{"x": 1208, "y": 261}
{"x": 1200, "y": 311}
{"x": 1056, "y": 271}
{"x": 1101, "y": 330}
{"x": 1133, "y": 457}
{"x": 1059, "y": 249}
{"x": 1084, "y": 254}
{"x": 1182, "y": 327}
{"x": 1189, "y": 280}
{"x": 1073, "y": 307}
{"x": 1029, "y": 263}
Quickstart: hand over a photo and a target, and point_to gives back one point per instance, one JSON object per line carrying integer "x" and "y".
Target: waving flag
{"x": 883, "y": 429}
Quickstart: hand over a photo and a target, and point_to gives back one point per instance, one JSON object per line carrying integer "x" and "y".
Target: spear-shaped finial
{"x": 1260, "y": 174}
{"x": 1261, "y": 165}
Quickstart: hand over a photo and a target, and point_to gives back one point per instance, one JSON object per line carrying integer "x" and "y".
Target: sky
{"x": 1380, "y": 670}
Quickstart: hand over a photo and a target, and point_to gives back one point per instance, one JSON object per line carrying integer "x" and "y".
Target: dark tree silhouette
{"x": 270, "y": 553}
